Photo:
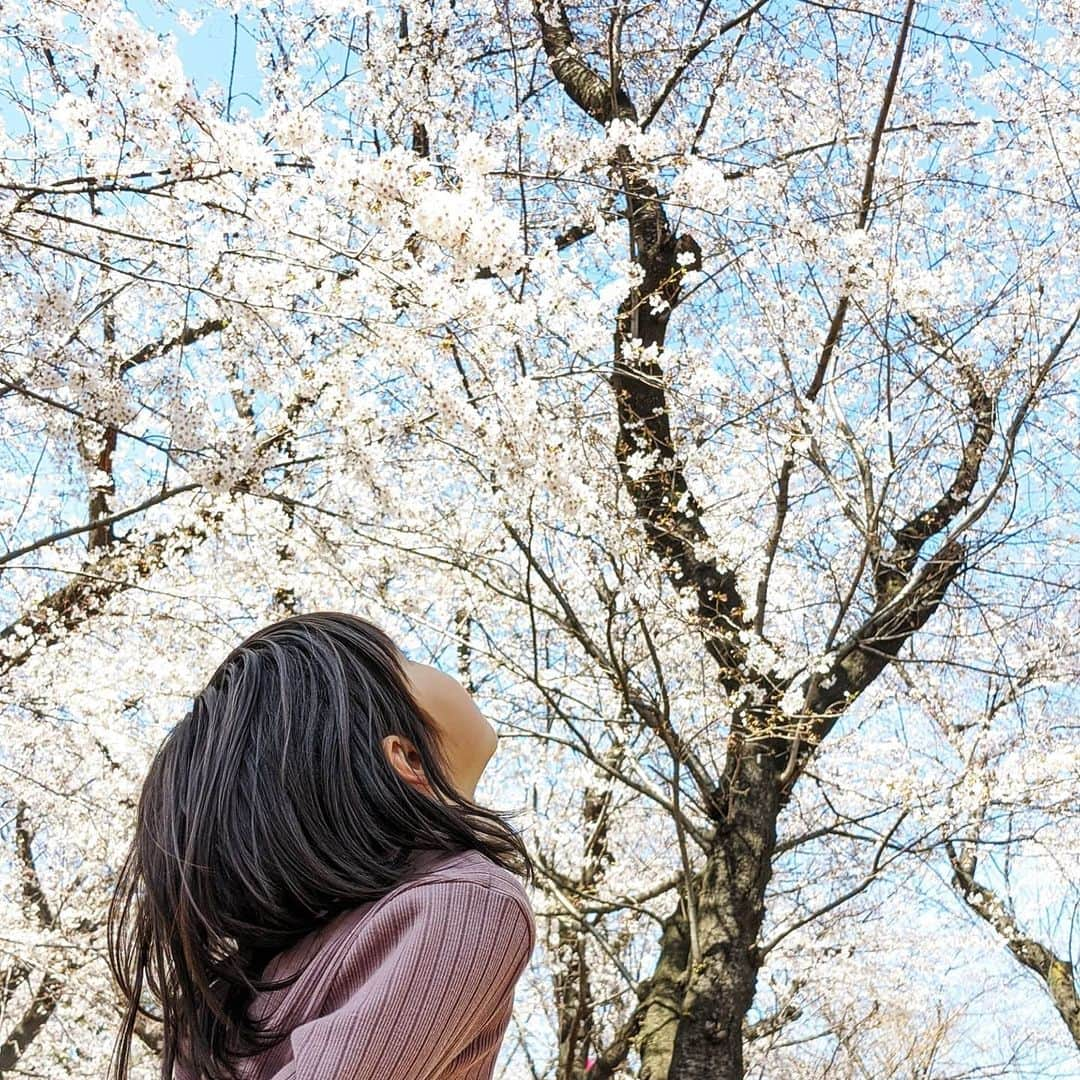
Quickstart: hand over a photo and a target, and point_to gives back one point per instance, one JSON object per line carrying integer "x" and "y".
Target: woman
{"x": 311, "y": 892}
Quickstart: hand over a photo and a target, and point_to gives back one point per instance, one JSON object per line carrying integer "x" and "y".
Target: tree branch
{"x": 97, "y": 523}
{"x": 45, "y": 998}
{"x": 695, "y": 49}
{"x": 68, "y": 608}
{"x": 588, "y": 90}
{"x": 1056, "y": 974}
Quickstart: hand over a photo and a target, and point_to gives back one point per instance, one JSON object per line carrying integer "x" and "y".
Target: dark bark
{"x": 101, "y": 534}
{"x": 578, "y": 1022}
{"x": 572, "y": 1000}
{"x": 694, "y": 1024}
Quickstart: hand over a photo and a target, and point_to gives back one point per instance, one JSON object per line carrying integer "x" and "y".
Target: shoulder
{"x": 460, "y": 923}
{"x": 440, "y": 888}
{"x": 443, "y": 893}
{"x": 427, "y": 974}
{"x": 471, "y": 865}
{"x": 465, "y": 883}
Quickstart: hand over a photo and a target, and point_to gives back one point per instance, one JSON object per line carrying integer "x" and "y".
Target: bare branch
{"x": 892, "y": 569}
{"x": 1056, "y": 973}
{"x": 693, "y": 51}
{"x": 68, "y": 608}
{"x": 110, "y": 519}
{"x": 33, "y": 896}
{"x": 47, "y": 995}
{"x": 29, "y": 1025}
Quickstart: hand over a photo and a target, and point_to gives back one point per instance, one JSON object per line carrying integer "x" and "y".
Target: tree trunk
{"x": 694, "y": 1018}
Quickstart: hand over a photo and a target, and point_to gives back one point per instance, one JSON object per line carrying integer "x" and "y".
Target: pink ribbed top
{"x": 417, "y": 985}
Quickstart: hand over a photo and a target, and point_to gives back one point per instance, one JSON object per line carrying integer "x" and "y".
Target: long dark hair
{"x": 269, "y": 809}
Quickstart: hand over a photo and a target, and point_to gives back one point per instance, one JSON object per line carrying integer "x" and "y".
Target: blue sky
{"x": 208, "y": 55}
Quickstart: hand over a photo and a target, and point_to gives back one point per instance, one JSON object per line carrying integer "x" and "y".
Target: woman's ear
{"x": 405, "y": 761}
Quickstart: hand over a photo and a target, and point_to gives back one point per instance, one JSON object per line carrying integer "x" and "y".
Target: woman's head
{"x": 466, "y": 738}
{"x": 316, "y": 760}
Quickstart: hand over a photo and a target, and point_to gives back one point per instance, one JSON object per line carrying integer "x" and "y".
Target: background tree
{"x": 697, "y": 382}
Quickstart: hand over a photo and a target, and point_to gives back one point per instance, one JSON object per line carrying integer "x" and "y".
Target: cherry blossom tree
{"x": 696, "y": 381}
